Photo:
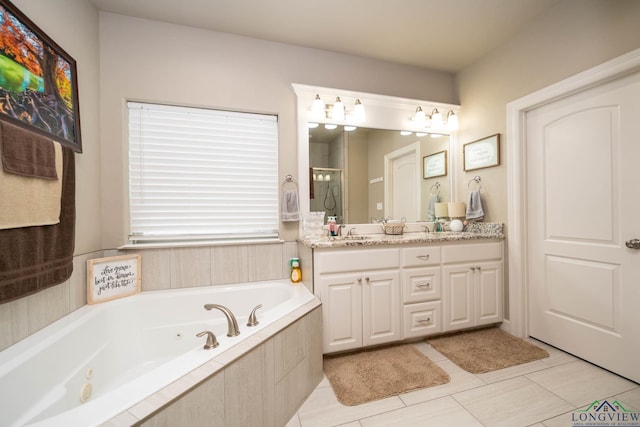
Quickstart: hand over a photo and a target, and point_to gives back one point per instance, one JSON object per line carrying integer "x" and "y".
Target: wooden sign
{"x": 112, "y": 277}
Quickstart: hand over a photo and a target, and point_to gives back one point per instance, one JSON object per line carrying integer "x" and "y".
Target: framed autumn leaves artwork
{"x": 38, "y": 80}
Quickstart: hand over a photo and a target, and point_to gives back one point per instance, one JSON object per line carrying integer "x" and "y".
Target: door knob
{"x": 633, "y": 243}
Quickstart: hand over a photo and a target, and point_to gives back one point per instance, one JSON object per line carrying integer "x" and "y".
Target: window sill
{"x": 186, "y": 244}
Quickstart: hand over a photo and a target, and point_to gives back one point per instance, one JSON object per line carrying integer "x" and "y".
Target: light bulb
{"x": 338, "y": 110}
{"x": 317, "y": 109}
{"x": 419, "y": 117}
{"x": 350, "y": 128}
{"x": 436, "y": 119}
{"x": 452, "y": 121}
{"x": 405, "y": 132}
{"x": 330, "y": 126}
{"x": 358, "y": 109}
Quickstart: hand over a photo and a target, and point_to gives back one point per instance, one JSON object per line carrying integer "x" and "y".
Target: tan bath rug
{"x": 486, "y": 350}
{"x": 369, "y": 375}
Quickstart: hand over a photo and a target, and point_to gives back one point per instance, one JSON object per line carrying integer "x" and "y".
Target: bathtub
{"x": 100, "y": 360}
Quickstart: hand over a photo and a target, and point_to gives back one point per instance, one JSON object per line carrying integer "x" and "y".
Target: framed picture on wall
{"x": 434, "y": 165}
{"x": 483, "y": 153}
{"x": 38, "y": 80}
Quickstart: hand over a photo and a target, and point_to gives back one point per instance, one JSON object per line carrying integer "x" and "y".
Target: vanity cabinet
{"x": 360, "y": 293}
{"x": 472, "y": 277}
{"x": 387, "y": 293}
{"x": 421, "y": 291}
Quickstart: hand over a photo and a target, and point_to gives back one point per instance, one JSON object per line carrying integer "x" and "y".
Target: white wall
{"x": 72, "y": 24}
{"x": 573, "y": 36}
{"x": 153, "y": 61}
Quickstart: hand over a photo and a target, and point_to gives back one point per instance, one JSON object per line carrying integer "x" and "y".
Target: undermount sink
{"x": 352, "y": 237}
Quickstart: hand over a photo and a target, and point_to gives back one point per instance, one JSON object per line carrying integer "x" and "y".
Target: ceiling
{"x": 445, "y": 35}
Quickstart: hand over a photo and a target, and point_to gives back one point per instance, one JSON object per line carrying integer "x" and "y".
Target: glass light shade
{"x": 420, "y": 117}
{"x": 452, "y": 121}
{"x": 312, "y": 125}
{"x": 359, "y": 112}
{"x": 405, "y": 133}
{"x": 436, "y": 119}
{"x": 317, "y": 108}
{"x": 350, "y": 128}
{"x": 338, "y": 110}
{"x": 330, "y": 126}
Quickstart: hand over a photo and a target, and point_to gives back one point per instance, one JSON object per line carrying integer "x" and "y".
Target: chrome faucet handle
{"x": 212, "y": 342}
{"x": 253, "y": 320}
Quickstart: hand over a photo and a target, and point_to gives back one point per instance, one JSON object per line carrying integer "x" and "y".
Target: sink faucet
{"x": 231, "y": 319}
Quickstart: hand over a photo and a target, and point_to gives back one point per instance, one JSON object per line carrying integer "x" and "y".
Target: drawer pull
{"x": 424, "y": 285}
{"x": 426, "y": 321}
{"x": 423, "y": 257}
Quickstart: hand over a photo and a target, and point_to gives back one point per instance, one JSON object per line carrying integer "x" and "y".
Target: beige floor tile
{"x": 513, "y": 371}
{"x": 556, "y": 357}
{"x": 563, "y": 420}
{"x": 460, "y": 380}
{"x": 580, "y": 383}
{"x": 322, "y": 409}
{"x": 514, "y": 402}
{"x": 439, "y": 412}
{"x": 293, "y": 422}
{"x": 630, "y": 399}
{"x": 429, "y": 351}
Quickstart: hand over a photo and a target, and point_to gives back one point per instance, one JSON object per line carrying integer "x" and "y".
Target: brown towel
{"x": 35, "y": 258}
{"x": 26, "y": 153}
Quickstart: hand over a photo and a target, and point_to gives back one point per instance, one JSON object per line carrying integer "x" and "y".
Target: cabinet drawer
{"x": 339, "y": 261}
{"x": 420, "y": 256}
{"x": 421, "y": 284}
{"x": 421, "y": 319}
{"x": 471, "y": 252}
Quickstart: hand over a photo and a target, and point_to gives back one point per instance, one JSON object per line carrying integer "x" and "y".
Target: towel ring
{"x": 475, "y": 179}
{"x": 289, "y": 179}
{"x": 435, "y": 187}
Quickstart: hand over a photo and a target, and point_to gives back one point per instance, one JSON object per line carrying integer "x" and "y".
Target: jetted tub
{"x": 101, "y": 359}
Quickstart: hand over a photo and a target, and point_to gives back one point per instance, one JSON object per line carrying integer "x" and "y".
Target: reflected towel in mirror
{"x": 431, "y": 208}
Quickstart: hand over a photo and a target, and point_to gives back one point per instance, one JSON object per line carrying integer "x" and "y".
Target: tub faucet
{"x": 231, "y": 319}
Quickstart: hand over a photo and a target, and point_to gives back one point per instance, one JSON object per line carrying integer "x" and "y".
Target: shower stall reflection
{"x": 328, "y": 193}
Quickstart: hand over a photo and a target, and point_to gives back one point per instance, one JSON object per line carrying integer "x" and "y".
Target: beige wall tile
{"x": 47, "y": 306}
{"x": 78, "y": 280}
{"x": 190, "y": 267}
{"x": 249, "y": 389}
{"x": 156, "y": 269}
{"x": 14, "y": 322}
{"x": 289, "y": 250}
{"x": 202, "y": 407}
{"x": 229, "y": 264}
{"x": 266, "y": 262}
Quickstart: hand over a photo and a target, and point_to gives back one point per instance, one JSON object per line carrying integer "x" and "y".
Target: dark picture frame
{"x": 38, "y": 80}
{"x": 482, "y": 153}
{"x": 434, "y": 165}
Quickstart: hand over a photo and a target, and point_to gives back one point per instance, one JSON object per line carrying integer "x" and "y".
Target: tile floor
{"x": 540, "y": 393}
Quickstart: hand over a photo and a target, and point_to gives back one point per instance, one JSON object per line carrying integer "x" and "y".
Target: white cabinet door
{"x": 381, "y": 307}
{"x": 458, "y": 302}
{"x": 472, "y": 295}
{"x": 488, "y": 292}
{"x": 341, "y": 312}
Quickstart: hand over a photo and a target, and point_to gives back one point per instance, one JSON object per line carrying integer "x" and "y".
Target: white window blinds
{"x": 201, "y": 174}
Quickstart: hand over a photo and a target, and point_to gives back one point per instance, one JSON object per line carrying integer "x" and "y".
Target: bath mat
{"x": 486, "y": 350}
{"x": 369, "y": 375}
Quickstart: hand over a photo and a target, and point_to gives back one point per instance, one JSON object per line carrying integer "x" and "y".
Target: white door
{"x": 402, "y": 188}
{"x": 583, "y": 186}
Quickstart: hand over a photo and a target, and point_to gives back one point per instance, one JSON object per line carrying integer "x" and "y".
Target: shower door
{"x": 328, "y": 193}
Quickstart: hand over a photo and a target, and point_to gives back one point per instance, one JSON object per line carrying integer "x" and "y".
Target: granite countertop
{"x": 476, "y": 231}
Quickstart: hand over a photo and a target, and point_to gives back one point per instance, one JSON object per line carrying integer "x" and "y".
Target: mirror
{"x": 369, "y": 174}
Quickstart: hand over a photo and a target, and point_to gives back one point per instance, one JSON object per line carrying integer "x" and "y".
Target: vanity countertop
{"x": 477, "y": 231}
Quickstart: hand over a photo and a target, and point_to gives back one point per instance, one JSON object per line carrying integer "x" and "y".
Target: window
{"x": 201, "y": 174}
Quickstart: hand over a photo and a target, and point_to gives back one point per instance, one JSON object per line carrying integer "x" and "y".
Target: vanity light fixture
{"x": 338, "y": 110}
{"x": 436, "y": 119}
{"x": 452, "y": 121}
{"x": 420, "y": 117}
{"x": 405, "y": 133}
{"x": 358, "y": 111}
{"x": 421, "y": 134}
{"x": 350, "y": 128}
{"x": 330, "y": 126}
{"x": 312, "y": 125}
{"x": 317, "y": 108}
